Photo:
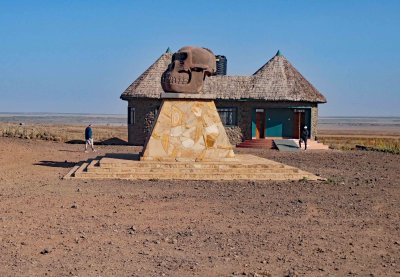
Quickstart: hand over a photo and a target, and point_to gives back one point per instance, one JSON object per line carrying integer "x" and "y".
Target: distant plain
{"x": 344, "y": 133}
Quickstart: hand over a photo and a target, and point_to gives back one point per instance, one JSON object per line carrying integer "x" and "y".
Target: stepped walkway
{"x": 245, "y": 167}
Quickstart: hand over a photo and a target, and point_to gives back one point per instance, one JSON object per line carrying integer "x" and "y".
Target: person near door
{"x": 304, "y": 137}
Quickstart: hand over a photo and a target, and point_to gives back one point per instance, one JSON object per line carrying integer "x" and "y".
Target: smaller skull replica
{"x": 188, "y": 69}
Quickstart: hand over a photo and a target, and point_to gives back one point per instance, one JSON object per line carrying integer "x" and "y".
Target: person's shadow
{"x": 64, "y": 164}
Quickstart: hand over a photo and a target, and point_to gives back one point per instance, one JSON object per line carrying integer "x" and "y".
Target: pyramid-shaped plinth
{"x": 188, "y": 130}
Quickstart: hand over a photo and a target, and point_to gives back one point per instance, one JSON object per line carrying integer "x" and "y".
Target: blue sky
{"x": 79, "y": 56}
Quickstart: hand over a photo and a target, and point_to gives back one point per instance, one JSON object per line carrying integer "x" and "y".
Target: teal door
{"x": 279, "y": 123}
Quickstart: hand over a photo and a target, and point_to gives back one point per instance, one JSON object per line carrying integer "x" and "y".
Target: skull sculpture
{"x": 188, "y": 69}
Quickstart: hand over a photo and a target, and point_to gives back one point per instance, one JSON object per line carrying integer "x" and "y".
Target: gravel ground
{"x": 348, "y": 225}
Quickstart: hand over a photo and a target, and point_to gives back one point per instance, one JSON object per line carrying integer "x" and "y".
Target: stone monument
{"x": 188, "y": 126}
{"x": 188, "y": 140}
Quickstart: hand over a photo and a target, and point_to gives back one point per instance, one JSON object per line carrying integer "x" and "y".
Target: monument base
{"x": 247, "y": 167}
{"x": 188, "y": 130}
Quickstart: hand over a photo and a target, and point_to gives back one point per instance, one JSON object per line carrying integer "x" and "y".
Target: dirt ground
{"x": 348, "y": 225}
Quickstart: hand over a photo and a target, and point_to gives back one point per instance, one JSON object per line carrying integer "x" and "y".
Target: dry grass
{"x": 62, "y": 133}
{"x": 385, "y": 144}
{"x": 65, "y": 133}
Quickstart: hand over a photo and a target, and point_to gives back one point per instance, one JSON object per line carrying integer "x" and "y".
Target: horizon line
{"x": 117, "y": 114}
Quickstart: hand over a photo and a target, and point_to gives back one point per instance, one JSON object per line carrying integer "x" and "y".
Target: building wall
{"x": 314, "y": 121}
{"x": 145, "y": 115}
{"x": 245, "y": 109}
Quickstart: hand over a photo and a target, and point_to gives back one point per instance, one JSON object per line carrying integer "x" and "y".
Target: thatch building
{"x": 276, "y": 101}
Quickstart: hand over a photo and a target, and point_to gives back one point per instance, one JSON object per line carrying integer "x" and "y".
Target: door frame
{"x": 304, "y": 114}
{"x": 256, "y": 111}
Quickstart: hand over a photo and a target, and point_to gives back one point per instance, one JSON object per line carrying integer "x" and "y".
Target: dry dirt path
{"x": 347, "y": 226}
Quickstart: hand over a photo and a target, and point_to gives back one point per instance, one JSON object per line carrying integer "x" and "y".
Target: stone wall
{"x": 314, "y": 122}
{"x": 145, "y": 116}
{"x": 234, "y": 134}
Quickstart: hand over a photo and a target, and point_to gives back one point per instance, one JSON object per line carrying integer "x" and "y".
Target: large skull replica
{"x": 188, "y": 69}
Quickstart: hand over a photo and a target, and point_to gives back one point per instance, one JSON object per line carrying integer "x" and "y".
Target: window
{"x": 131, "y": 116}
{"x": 228, "y": 116}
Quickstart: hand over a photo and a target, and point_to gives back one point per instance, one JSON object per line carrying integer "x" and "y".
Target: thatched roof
{"x": 277, "y": 80}
{"x": 148, "y": 85}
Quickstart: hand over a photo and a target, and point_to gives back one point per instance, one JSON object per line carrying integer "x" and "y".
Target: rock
{"x": 74, "y": 206}
{"x": 45, "y": 251}
{"x": 132, "y": 228}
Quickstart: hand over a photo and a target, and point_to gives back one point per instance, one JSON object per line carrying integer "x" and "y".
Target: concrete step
{"x": 313, "y": 145}
{"x": 101, "y": 170}
{"x": 246, "y": 161}
{"x": 255, "y": 146}
{"x": 71, "y": 173}
{"x": 257, "y": 143}
{"x": 247, "y": 167}
{"x": 93, "y": 164}
{"x": 81, "y": 169}
{"x": 193, "y": 176}
{"x": 179, "y": 166}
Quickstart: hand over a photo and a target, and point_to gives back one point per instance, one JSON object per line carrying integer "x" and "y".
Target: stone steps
{"x": 194, "y": 176}
{"x": 100, "y": 170}
{"x": 245, "y": 161}
{"x": 257, "y": 143}
{"x": 183, "y": 166}
{"x": 249, "y": 167}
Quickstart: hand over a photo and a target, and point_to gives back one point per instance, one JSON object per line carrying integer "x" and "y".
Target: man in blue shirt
{"x": 304, "y": 137}
{"x": 89, "y": 138}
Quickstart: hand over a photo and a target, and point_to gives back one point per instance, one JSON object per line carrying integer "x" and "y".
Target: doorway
{"x": 299, "y": 122}
{"x": 301, "y": 119}
{"x": 260, "y": 123}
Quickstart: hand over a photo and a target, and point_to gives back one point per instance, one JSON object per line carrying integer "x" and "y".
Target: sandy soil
{"x": 346, "y": 226}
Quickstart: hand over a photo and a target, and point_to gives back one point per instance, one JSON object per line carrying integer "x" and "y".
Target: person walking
{"x": 89, "y": 138}
{"x": 304, "y": 137}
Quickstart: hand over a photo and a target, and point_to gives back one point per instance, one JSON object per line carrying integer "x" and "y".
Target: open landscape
{"x": 347, "y": 225}
{"x": 185, "y": 138}
{"x": 341, "y": 133}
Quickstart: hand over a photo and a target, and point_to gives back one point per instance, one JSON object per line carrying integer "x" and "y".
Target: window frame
{"x": 131, "y": 116}
{"x": 233, "y": 110}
